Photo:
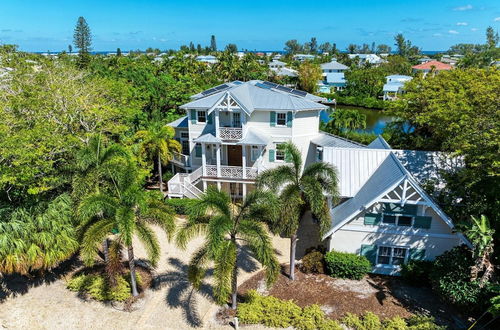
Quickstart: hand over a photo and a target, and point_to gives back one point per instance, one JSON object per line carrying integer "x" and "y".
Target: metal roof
{"x": 179, "y": 123}
{"x": 329, "y": 140}
{"x": 399, "y": 76}
{"x": 254, "y": 137}
{"x": 334, "y": 65}
{"x": 335, "y": 78}
{"x": 392, "y": 87}
{"x": 379, "y": 143}
{"x": 285, "y": 72}
{"x": 207, "y": 138}
{"x": 257, "y": 95}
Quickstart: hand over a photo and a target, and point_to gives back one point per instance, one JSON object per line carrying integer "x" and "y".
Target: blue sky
{"x": 261, "y": 25}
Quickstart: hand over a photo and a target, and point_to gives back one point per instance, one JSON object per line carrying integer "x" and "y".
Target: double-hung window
{"x": 202, "y": 116}
{"x": 185, "y": 147}
{"x": 281, "y": 119}
{"x": 280, "y": 153}
{"x": 388, "y": 255}
{"x": 254, "y": 153}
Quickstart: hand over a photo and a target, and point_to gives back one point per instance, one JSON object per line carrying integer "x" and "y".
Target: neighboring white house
{"x": 372, "y": 59}
{"x": 276, "y": 64}
{"x": 394, "y": 86}
{"x": 333, "y": 77}
{"x": 280, "y": 69}
{"x": 303, "y": 57}
{"x": 231, "y": 133}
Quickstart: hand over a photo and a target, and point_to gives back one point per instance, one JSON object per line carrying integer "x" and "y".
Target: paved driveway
{"x": 173, "y": 306}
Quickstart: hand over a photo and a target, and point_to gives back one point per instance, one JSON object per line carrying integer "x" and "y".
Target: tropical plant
{"x": 345, "y": 119}
{"x": 225, "y": 226}
{"x": 309, "y": 75}
{"x": 129, "y": 210}
{"x": 157, "y": 141}
{"x": 300, "y": 191}
{"x": 37, "y": 238}
{"x": 481, "y": 235}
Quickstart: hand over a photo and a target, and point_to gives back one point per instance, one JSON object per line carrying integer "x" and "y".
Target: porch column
{"x": 219, "y": 185}
{"x": 244, "y": 192}
{"x": 203, "y": 159}
{"x": 217, "y": 123}
{"x": 218, "y": 146}
{"x": 244, "y": 160}
{"x": 204, "y": 185}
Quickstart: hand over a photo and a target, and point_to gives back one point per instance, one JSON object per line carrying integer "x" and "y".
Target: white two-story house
{"x": 231, "y": 132}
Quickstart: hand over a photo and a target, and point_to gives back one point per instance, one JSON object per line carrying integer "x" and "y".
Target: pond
{"x": 376, "y": 120}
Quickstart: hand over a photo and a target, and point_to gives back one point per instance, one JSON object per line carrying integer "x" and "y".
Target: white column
{"x": 219, "y": 185}
{"x": 244, "y": 160}
{"x": 218, "y": 146}
{"x": 217, "y": 123}
{"x": 203, "y": 159}
{"x": 244, "y": 192}
{"x": 204, "y": 185}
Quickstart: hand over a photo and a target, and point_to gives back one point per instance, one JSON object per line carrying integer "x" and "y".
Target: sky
{"x": 253, "y": 25}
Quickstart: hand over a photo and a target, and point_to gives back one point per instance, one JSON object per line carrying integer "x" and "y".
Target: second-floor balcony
{"x": 230, "y": 133}
{"x": 231, "y": 172}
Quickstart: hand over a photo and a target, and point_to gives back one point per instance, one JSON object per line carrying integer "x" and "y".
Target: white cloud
{"x": 462, "y": 24}
{"x": 497, "y": 19}
{"x": 474, "y": 29}
{"x": 463, "y": 8}
{"x": 452, "y": 32}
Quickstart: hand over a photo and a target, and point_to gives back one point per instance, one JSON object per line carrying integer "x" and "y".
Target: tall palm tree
{"x": 157, "y": 141}
{"x": 226, "y": 227}
{"x": 300, "y": 191}
{"x": 129, "y": 210}
{"x": 481, "y": 235}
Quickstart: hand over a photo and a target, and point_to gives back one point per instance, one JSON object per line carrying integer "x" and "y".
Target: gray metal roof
{"x": 284, "y": 71}
{"x": 329, "y": 140}
{"x": 392, "y": 87}
{"x": 379, "y": 143}
{"x": 179, "y": 123}
{"x": 207, "y": 138}
{"x": 335, "y": 78}
{"x": 253, "y": 137}
{"x": 334, "y": 65}
{"x": 254, "y": 95}
{"x": 387, "y": 175}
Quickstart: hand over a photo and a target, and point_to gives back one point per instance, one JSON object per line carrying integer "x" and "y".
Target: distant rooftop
{"x": 429, "y": 65}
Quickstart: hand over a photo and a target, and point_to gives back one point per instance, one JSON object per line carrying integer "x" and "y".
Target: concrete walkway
{"x": 173, "y": 306}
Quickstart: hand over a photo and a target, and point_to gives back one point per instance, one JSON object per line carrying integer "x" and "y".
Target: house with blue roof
{"x": 231, "y": 133}
{"x": 394, "y": 86}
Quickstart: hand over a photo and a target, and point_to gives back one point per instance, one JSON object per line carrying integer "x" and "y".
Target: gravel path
{"x": 173, "y": 306}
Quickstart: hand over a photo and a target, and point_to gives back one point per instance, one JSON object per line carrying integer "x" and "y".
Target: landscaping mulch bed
{"x": 383, "y": 295}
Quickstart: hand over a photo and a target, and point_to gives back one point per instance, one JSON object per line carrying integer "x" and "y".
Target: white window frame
{"x": 280, "y": 152}
{"x": 204, "y": 116}
{"x": 396, "y": 223}
{"x": 392, "y": 247}
{"x": 254, "y": 157}
{"x": 277, "y": 119}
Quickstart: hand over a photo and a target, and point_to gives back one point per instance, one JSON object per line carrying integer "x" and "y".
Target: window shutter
{"x": 289, "y": 119}
{"x": 210, "y": 119}
{"x": 197, "y": 150}
{"x": 194, "y": 118}
{"x": 422, "y": 222}
{"x": 372, "y": 218}
{"x": 417, "y": 254}
{"x": 410, "y": 209}
{"x": 271, "y": 155}
{"x": 370, "y": 252}
{"x": 272, "y": 119}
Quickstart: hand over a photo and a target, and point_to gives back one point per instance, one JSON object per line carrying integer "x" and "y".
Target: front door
{"x": 234, "y": 155}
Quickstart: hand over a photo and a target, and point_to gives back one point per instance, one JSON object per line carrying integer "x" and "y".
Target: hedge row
{"x": 180, "y": 205}
{"x": 347, "y": 265}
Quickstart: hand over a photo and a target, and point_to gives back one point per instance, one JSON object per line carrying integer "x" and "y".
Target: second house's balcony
{"x": 230, "y": 133}
{"x": 231, "y": 172}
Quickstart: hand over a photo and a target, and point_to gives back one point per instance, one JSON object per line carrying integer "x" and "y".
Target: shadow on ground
{"x": 16, "y": 284}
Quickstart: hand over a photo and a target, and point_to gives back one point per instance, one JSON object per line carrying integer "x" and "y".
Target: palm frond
{"x": 275, "y": 178}
{"x": 197, "y": 266}
{"x": 189, "y": 231}
{"x": 126, "y": 223}
{"x": 93, "y": 238}
{"x": 225, "y": 261}
{"x": 150, "y": 241}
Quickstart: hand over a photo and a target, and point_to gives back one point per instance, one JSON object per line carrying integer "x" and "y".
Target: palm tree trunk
{"x": 293, "y": 248}
{"x": 131, "y": 265}
{"x": 160, "y": 172}
{"x": 234, "y": 287}
{"x": 105, "y": 250}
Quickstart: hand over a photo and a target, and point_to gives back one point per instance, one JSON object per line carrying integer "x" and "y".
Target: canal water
{"x": 376, "y": 120}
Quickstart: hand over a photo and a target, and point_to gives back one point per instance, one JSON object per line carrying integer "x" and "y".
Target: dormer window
{"x": 202, "y": 116}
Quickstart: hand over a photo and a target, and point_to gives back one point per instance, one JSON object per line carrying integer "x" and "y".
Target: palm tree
{"x": 300, "y": 191}
{"x": 225, "y": 226}
{"x": 129, "y": 210}
{"x": 157, "y": 141}
{"x": 481, "y": 236}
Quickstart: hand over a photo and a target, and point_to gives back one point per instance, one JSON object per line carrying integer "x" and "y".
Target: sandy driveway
{"x": 173, "y": 306}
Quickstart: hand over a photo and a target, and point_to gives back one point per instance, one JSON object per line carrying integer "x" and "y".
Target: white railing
{"x": 211, "y": 170}
{"x": 230, "y": 133}
{"x": 175, "y": 185}
{"x": 251, "y": 173}
{"x": 180, "y": 159}
{"x": 195, "y": 175}
{"x": 231, "y": 172}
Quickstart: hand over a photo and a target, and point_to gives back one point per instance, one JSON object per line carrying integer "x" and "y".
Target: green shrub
{"x": 313, "y": 262}
{"x": 420, "y": 322}
{"x": 369, "y": 321}
{"x": 346, "y": 265}
{"x": 416, "y": 272}
{"x": 97, "y": 287}
{"x": 180, "y": 205}
{"x": 273, "y": 312}
{"x": 396, "y": 323}
{"x": 450, "y": 278}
